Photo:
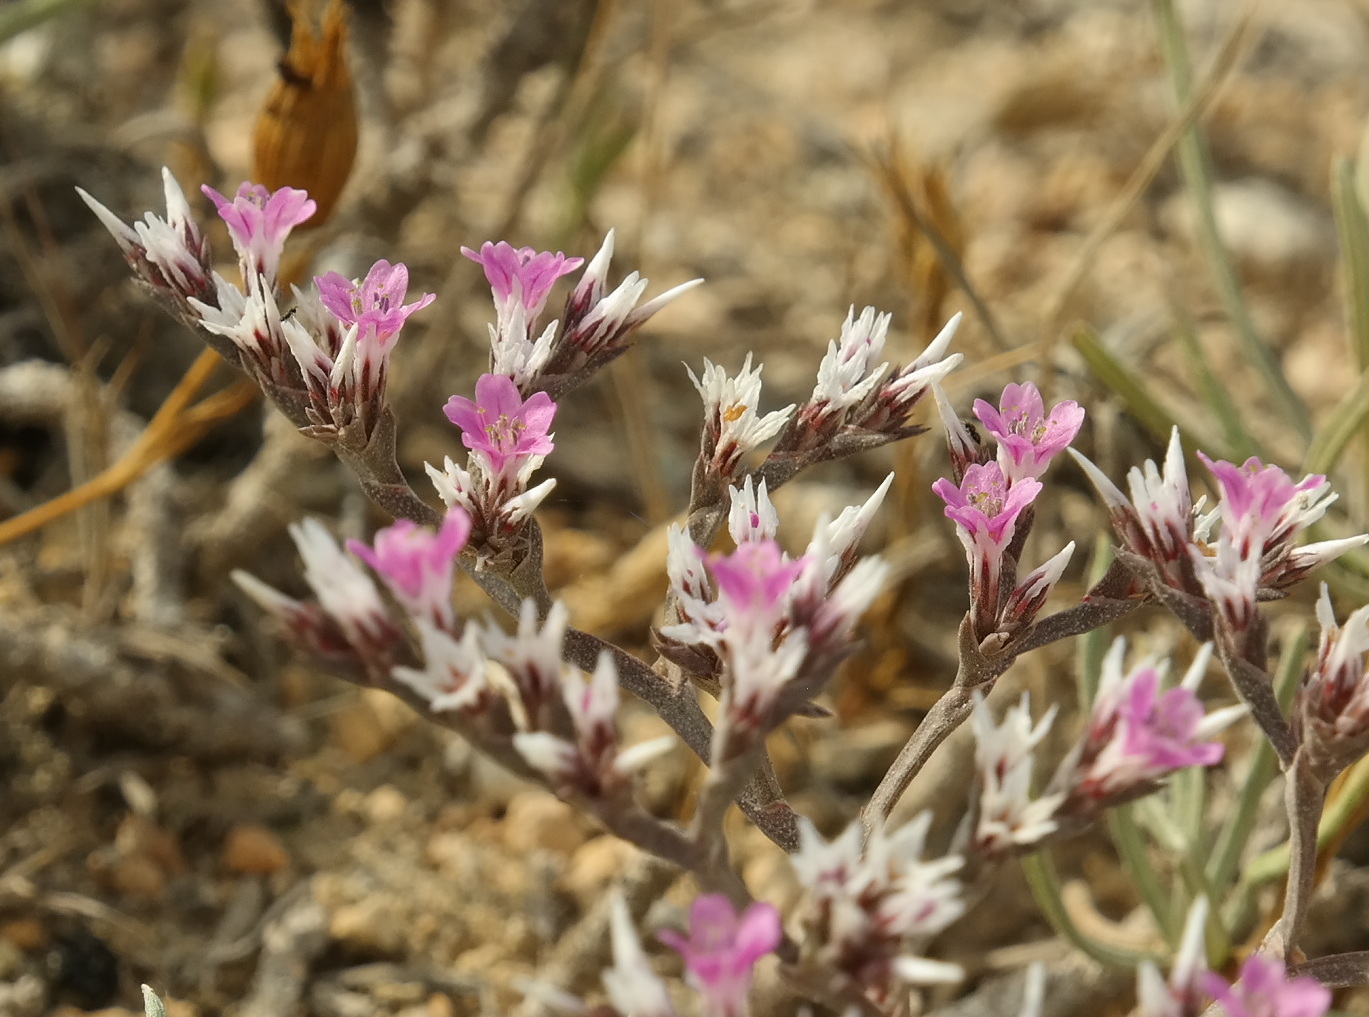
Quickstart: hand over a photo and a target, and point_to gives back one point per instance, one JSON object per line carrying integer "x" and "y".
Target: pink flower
{"x": 1264, "y": 990}
{"x": 521, "y": 274}
{"x": 1138, "y": 734}
{"x": 721, "y": 950}
{"x": 499, "y": 425}
{"x": 258, "y": 222}
{"x": 753, "y": 582}
{"x": 986, "y": 505}
{"x": 985, "y": 508}
{"x": 1260, "y": 499}
{"x": 418, "y": 565}
{"x": 376, "y": 303}
{"x": 1029, "y": 438}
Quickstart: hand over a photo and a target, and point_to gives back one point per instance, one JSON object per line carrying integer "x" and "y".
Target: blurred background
{"x": 1153, "y": 208}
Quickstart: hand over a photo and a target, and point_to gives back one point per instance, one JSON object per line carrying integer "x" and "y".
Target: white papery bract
{"x": 851, "y": 369}
{"x": 866, "y": 904}
{"x": 732, "y": 426}
{"x": 532, "y": 656}
{"x": 690, "y": 586}
{"x": 1181, "y": 995}
{"x": 453, "y": 673}
{"x": 632, "y": 986}
{"x": 344, "y": 590}
{"x": 834, "y": 543}
{"x": 1332, "y": 706}
{"x": 1008, "y": 816}
{"x": 170, "y": 254}
{"x": 752, "y": 515}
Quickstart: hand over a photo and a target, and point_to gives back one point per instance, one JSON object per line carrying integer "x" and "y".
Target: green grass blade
{"x": 1195, "y": 166}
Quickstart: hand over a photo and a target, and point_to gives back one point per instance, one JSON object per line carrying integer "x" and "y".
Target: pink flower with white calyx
{"x": 374, "y": 304}
{"x": 732, "y": 426}
{"x": 1137, "y": 735}
{"x": 632, "y": 987}
{"x": 985, "y": 508}
{"x": 504, "y": 430}
{"x": 1265, "y": 990}
{"x": 1332, "y": 705}
{"x": 1009, "y": 819}
{"x": 747, "y": 626}
{"x": 868, "y": 906}
{"x": 418, "y": 565}
{"x": 754, "y": 583}
{"x": 1262, "y": 500}
{"x": 169, "y": 254}
{"x": 1028, "y": 437}
{"x": 1262, "y": 510}
{"x": 1180, "y": 995}
{"x": 520, "y": 275}
{"x": 722, "y": 948}
{"x": 259, "y": 221}
{"x": 452, "y": 677}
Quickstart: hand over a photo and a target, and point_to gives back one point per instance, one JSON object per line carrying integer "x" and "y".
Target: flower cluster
{"x": 1136, "y": 736}
{"x": 870, "y": 906}
{"x": 857, "y": 394}
{"x": 597, "y": 324}
{"x": 508, "y": 438}
{"x": 1253, "y": 553}
{"x": 859, "y": 402}
{"x": 763, "y": 629}
{"x": 543, "y": 711}
{"x": 990, "y": 504}
{"x": 322, "y": 355}
{"x": 770, "y": 628}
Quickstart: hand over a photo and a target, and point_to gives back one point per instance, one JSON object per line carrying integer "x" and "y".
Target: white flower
{"x": 843, "y": 534}
{"x": 453, "y": 672}
{"x": 344, "y": 590}
{"x": 1008, "y": 816}
{"x": 849, "y": 372}
{"x": 532, "y": 656}
{"x": 632, "y": 986}
{"x": 752, "y": 516}
{"x": 731, "y": 423}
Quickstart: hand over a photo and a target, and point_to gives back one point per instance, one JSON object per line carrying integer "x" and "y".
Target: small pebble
{"x": 252, "y": 849}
